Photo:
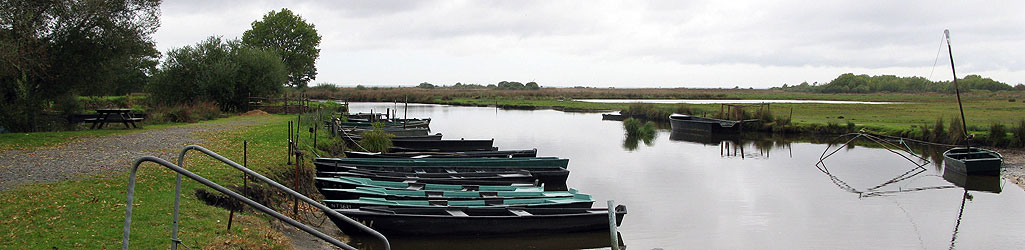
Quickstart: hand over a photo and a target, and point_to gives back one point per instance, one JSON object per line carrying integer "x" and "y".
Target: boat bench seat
{"x": 456, "y": 212}
{"x": 518, "y": 212}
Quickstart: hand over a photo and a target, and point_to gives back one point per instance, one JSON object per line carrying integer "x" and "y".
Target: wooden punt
{"x": 442, "y": 194}
{"x": 973, "y": 161}
{"x": 576, "y": 201}
{"x": 479, "y": 221}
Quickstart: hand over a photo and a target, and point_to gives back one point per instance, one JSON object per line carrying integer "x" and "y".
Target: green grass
{"x": 34, "y": 140}
{"x": 981, "y": 109}
{"x": 89, "y": 212}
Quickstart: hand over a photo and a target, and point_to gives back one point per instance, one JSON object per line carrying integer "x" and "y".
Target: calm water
{"x": 719, "y": 101}
{"x": 685, "y": 192}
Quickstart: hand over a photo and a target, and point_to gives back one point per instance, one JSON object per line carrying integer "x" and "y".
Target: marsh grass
{"x": 376, "y": 140}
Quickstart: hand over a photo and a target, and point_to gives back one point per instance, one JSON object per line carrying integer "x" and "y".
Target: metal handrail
{"x": 322, "y": 207}
{"x": 204, "y": 181}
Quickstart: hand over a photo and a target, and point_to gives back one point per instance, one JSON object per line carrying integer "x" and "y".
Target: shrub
{"x": 213, "y": 70}
{"x": 1019, "y": 134}
{"x": 939, "y": 134}
{"x": 997, "y": 135}
{"x": 957, "y": 133}
{"x": 376, "y": 140}
{"x": 683, "y": 108}
{"x": 184, "y": 113}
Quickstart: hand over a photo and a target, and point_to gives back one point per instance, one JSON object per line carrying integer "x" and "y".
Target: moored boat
{"x": 703, "y": 124}
{"x": 354, "y": 182}
{"x": 403, "y": 194}
{"x": 497, "y": 179}
{"x": 403, "y": 145}
{"x": 394, "y": 131}
{"x": 479, "y": 221}
{"x": 552, "y": 177}
{"x": 460, "y": 154}
{"x": 575, "y": 201}
{"x": 973, "y": 161}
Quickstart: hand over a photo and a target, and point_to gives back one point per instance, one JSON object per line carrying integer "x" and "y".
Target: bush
{"x": 957, "y": 133}
{"x": 213, "y": 70}
{"x": 1019, "y": 134}
{"x": 184, "y": 113}
{"x": 683, "y": 108}
{"x": 938, "y": 132}
{"x": 376, "y": 140}
{"x": 997, "y": 135}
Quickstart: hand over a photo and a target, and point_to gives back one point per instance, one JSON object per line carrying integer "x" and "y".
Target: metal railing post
{"x": 318, "y": 205}
{"x": 181, "y": 171}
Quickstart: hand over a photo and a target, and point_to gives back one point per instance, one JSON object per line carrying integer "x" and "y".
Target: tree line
{"x": 503, "y": 85}
{"x": 52, "y": 52}
{"x": 851, "y": 83}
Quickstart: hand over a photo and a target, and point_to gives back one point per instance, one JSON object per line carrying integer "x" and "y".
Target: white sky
{"x": 630, "y": 43}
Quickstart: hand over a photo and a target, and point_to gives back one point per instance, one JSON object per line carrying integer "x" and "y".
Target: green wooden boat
{"x": 973, "y": 161}
{"x": 463, "y": 162}
{"x": 575, "y": 201}
{"x": 411, "y": 123}
{"x": 354, "y": 182}
{"x": 401, "y": 194}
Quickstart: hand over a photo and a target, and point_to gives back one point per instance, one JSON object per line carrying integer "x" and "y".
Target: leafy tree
{"x": 532, "y": 86}
{"x": 425, "y": 85}
{"x": 295, "y": 40}
{"x": 50, "y": 50}
{"x": 227, "y": 73}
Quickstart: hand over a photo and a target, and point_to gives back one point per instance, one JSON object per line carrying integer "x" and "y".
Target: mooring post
{"x": 298, "y": 161}
{"x": 613, "y": 231}
{"x": 289, "y": 156}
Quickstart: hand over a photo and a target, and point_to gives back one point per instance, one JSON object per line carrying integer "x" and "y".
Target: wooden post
{"x": 612, "y": 225}
{"x": 295, "y": 186}
{"x": 289, "y": 156}
{"x": 405, "y": 112}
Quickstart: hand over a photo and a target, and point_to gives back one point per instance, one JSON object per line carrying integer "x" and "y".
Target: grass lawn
{"x": 89, "y": 212}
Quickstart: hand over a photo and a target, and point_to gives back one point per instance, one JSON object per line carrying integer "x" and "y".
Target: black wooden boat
{"x": 703, "y": 124}
{"x": 356, "y": 137}
{"x": 498, "y": 179}
{"x": 581, "y": 240}
{"x": 576, "y": 201}
{"x": 552, "y": 177}
{"x": 445, "y": 193}
{"x": 973, "y": 161}
{"x": 463, "y": 154}
{"x": 394, "y": 131}
{"x": 345, "y": 182}
{"x": 526, "y": 162}
{"x": 618, "y": 117}
{"x": 401, "y": 145}
{"x": 479, "y": 221}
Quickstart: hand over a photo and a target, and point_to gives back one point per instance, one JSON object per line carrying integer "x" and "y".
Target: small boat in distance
{"x": 703, "y": 124}
{"x": 973, "y": 161}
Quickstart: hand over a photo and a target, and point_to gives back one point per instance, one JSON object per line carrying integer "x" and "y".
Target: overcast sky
{"x": 630, "y": 43}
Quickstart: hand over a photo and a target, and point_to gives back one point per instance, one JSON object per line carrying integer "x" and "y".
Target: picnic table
{"x": 114, "y": 115}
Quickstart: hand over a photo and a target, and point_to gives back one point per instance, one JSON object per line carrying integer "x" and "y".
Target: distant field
{"x": 981, "y": 108}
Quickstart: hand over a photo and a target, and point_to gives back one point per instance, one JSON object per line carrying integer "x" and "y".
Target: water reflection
{"x": 989, "y": 184}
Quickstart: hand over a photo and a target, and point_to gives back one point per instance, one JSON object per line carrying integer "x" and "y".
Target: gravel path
{"x": 97, "y": 155}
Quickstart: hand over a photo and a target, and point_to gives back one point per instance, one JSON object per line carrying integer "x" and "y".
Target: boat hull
{"x": 973, "y": 161}
{"x": 704, "y": 125}
{"x": 479, "y": 221}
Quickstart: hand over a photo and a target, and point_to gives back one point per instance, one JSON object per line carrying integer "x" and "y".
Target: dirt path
{"x": 90, "y": 156}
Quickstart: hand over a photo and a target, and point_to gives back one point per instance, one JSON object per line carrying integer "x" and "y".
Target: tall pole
{"x": 964, "y": 126}
{"x": 405, "y": 112}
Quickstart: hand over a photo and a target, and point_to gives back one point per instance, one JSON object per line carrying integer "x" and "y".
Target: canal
{"x": 696, "y": 192}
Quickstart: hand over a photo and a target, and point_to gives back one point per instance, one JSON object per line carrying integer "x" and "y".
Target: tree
{"x": 227, "y": 73}
{"x": 532, "y": 86}
{"x": 49, "y": 50}
{"x": 425, "y": 85}
{"x": 295, "y": 40}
